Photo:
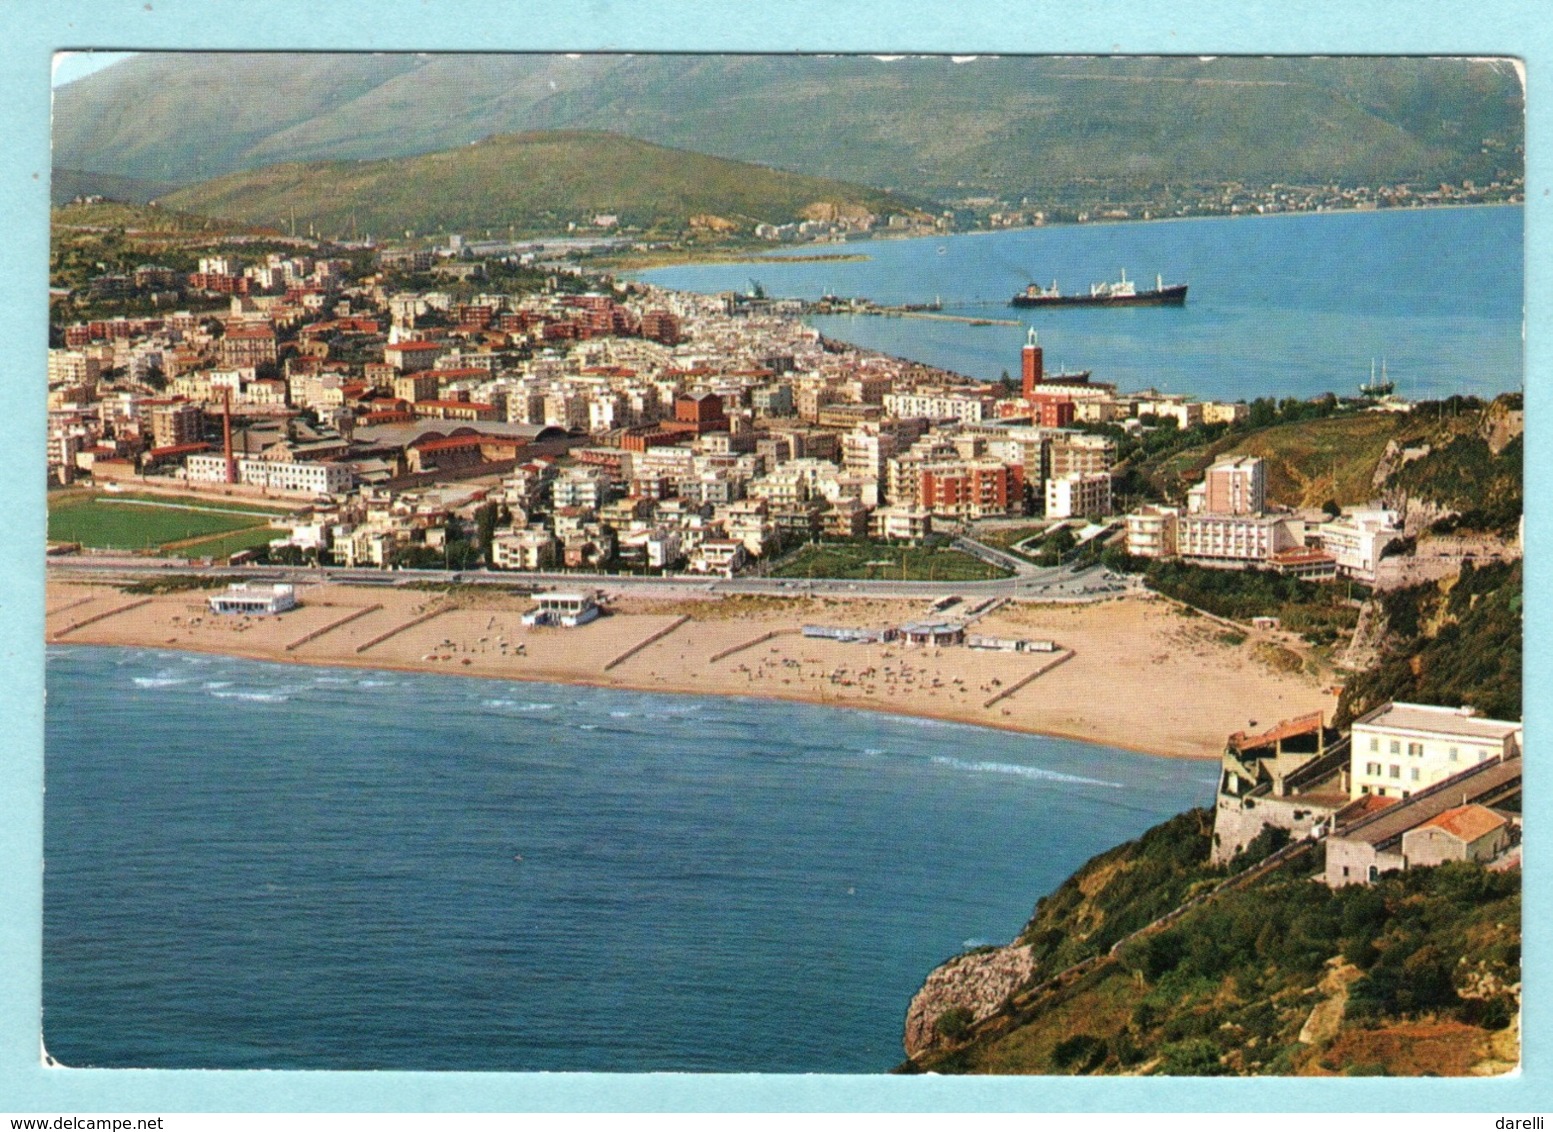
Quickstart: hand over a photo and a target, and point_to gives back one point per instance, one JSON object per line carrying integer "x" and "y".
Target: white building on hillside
{"x": 1400, "y": 749}
{"x": 1358, "y": 538}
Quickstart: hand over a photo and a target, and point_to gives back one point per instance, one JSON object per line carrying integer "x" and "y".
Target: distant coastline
{"x": 710, "y": 258}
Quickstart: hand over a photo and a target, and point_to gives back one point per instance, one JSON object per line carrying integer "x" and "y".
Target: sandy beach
{"x": 1129, "y": 672}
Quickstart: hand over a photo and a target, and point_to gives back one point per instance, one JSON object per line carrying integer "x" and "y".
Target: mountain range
{"x": 930, "y": 127}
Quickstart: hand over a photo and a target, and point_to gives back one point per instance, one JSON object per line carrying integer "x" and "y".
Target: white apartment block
{"x": 667, "y": 462}
{"x": 941, "y": 405}
{"x": 663, "y": 548}
{"x": 581, "y": 487}
{"x": 719, "y": 556}
{"x": 1151, "y": 532}
{"x": 297, "y": 477}
{"x": 1186, "y": 414}
{"x": 1078, "y": 494}
{"x": 1236, "y": 539}
{"x": 317, "y": 391}
{"x": 73, "y": 367}
{"x": 1357, "y": 538}
{"x": 1399, "y": 749}
{"x": 901, "y": 521}
{"x": 1224, "y": 412}
{"x": 567, "y": 409}
{"x": 532, "y": 548}
{"x": 865, "y": 450}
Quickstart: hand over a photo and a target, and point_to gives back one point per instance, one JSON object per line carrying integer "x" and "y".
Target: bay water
{"x": 1290, "y": 305}
{"x": 261, "y": 865}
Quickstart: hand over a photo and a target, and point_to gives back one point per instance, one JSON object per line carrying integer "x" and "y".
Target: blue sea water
{"x": 1281, "y": 306}
{"x": 252, "y": 864}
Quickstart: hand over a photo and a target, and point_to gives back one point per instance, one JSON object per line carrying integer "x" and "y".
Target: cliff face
{"x": 1416, "y": 974}
{"x": 962, "y": 992}
{"x": 1111, "y": 895}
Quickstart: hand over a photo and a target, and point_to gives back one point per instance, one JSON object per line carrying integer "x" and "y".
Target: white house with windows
{"x": 1400, "y": 749}
{"x": 242, "y": 597}
{"x": 569, "y": 610}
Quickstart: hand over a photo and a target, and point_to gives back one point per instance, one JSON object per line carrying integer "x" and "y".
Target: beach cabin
{"x": 933, "y": 633}
{"x": 241, "y": 597}
{"x": 848, "y": 635}
{"x": 566, "y": 610}
{"x": 994, "y": 644}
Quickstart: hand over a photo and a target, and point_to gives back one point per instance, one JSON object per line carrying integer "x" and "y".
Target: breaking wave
{"x": 1022, "y": 771}
{"x": 159, "y": 681}
{"x": 254, "y": 697}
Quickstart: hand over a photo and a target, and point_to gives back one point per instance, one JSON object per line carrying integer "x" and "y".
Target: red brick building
{"x": 248, "y": 346}
{"x": 701, "y": 414}
{"x": 972, "y": 489}
{"x": 1050, "y": 411}
{"x": 661, "y": 326}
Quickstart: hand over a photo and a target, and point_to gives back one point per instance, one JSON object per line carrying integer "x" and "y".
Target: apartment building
{"x": 1078, "y": 494}
{"x": 1358, "y": 538}
{"x": 1236, "y": 540}
{"x": 1232, "y": 485}
{"x": 1151, "y": 532}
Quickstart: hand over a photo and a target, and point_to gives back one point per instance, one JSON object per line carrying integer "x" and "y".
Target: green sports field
{"x": 130, "y": 522}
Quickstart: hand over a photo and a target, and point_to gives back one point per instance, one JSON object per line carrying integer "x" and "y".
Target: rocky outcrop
{"x": 1501, "y": 424}
{"x": 1369, "y": 635}
{"x": 1442, "y": 556}
{"x": 974, "y": 986}
{"x": 1326, "y": 1018}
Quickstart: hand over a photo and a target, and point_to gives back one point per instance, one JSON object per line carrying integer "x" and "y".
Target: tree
{"x": 485, "y": 528}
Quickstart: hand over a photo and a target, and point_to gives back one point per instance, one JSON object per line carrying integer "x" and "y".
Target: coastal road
{"x": 1057, "y": 583}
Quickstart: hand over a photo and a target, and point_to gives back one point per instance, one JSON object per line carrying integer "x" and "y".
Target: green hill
{"x": 1308, "y": 462}
{"x": 140, "y": 219}
{"x": 1416, "y": 974}
{"x": 524, "y": 182}
{"x": 1460, "y": 454}
{"x": 926, "y": 125}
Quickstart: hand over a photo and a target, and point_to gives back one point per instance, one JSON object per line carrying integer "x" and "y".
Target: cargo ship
{"x": 1122, "y": 294}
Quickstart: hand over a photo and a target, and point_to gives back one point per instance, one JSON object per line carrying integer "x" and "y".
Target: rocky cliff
{"x": 967, "y": 989}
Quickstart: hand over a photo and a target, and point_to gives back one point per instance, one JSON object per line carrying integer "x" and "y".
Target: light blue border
{"x": 32, "y": 33}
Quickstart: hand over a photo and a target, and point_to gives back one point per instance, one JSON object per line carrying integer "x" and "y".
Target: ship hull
{"x": 1173, "y": 296}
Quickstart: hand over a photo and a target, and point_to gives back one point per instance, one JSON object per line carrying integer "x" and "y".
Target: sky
{"x": 72, "y": 65}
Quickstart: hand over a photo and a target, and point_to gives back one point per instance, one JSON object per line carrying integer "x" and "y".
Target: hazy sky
{"x": 72, "y": 65}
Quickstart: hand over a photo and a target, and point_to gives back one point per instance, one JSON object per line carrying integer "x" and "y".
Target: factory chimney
{"x": 226, "y": 435}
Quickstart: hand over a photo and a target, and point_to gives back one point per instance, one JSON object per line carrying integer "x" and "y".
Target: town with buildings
{"x": 614, "y": 427}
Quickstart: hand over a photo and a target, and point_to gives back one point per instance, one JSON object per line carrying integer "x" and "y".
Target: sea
{"x": 252, "y": 864}
{"x": 1289, "y": 305}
